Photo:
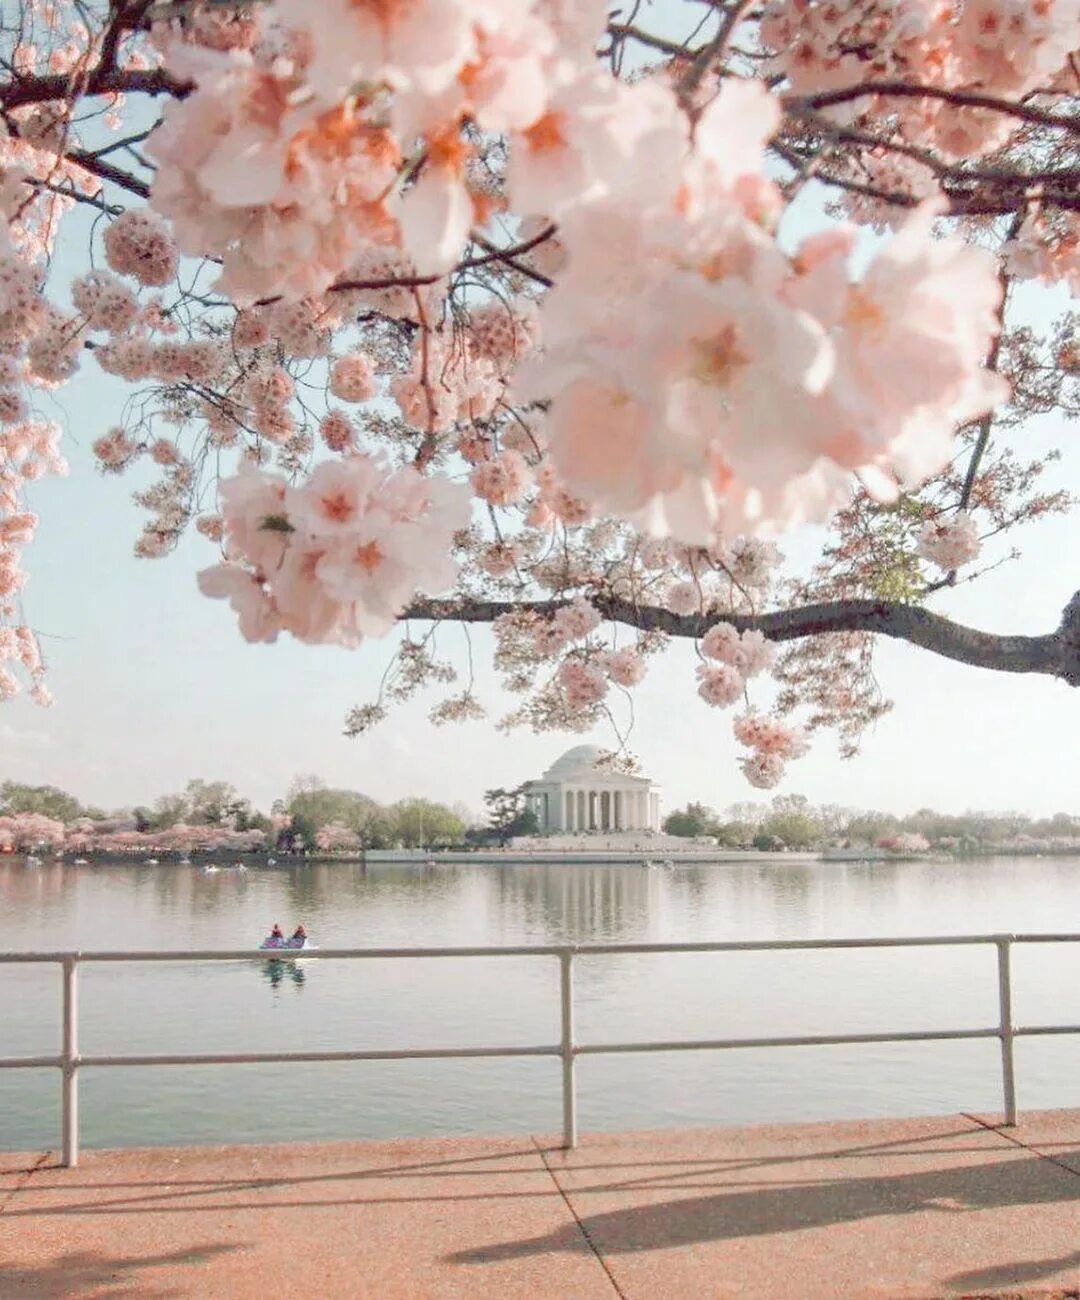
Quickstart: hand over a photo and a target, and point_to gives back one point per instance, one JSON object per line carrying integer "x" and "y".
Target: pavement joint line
{"x": 27, "y": 1174}
{"x": 1043, "y": 1155}
{"x": 581, "y": 1227}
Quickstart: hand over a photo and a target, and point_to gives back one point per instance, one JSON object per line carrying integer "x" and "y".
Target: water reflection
{"x": 275, "y": 972}
{"x": 567, "y": 904}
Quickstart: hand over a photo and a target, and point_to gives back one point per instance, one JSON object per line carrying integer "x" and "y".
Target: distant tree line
{"x": 793, "y": 822}
{"x": 311, "y": 816}
{"x": 314, "y": 816}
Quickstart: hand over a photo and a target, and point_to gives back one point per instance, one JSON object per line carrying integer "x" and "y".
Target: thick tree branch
{"x": 1056, "y": 654}
{"x": 102, "y": 80}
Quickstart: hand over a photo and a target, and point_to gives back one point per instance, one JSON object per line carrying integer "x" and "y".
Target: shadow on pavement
{"x": 1014, "y": 1274}
{"x": 90, "y": 1273}
{"x": 688, "y": 1221}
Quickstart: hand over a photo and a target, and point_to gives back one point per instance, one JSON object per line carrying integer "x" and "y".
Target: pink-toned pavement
{"x": 952, "y": 1206}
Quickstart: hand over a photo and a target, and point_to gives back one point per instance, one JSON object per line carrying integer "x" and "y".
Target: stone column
{"x": 582, "y": 811}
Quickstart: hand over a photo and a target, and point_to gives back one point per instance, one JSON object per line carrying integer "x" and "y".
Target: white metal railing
{"x": 70, "y": 1061}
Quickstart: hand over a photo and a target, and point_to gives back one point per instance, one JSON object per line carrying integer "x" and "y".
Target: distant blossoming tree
{"x": 531, "y": 313}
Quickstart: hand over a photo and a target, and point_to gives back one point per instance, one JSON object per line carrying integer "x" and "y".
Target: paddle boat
{"x": 272, "y": 944}
{"x": 286, "y": 945}
{"x": 31, "y": 861}
{"x": 79, "y": 862}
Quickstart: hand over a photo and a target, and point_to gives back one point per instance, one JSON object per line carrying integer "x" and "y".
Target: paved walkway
{"x": 917, "y": 1208}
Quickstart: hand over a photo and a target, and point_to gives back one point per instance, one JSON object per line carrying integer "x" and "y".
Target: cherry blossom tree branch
{"x": 706, "y": 56}
{"x": 986, "y": 425}
{"x": 624, "y": 31}
{"x": 99, "y": 81}
{"x": 958, "y": 98}
{"x": 969, "y": 194}
{"x": 1056, "y": 654}
{"x": 109, "y": 172}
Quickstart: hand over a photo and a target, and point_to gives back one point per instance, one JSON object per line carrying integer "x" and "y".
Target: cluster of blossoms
{"x": 503, "y": 480}
{"x": 29, "y": 831}
{"x": 298, "y": 151}
{"x": 1047, "y": 249}
{"x": 735, "y": 659}
{"x": 336, "y": 835}
{"x": 699, "y": 376}
{"x": 771, "y": 743}
{"x": 949, "y": 543}
{"x": 700, "y": 379}
{"x": 339, "y": 557}
{"x": 695, "y": 379}
{"x": 29, "y": 448}
{"x": 732, "y": 659}
{"x": 1012, "y": 47}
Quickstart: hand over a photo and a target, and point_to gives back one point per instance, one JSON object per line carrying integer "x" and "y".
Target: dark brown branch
{"x": 958, "y": 98}
{"x": 109, "y": 172}
{"x": 101, "y": 80}
{"x": 970, "y": 192}
{"x": 986, "y": 425}
{"x": 1056, "y": 654}
{"x": 622, "y": 32}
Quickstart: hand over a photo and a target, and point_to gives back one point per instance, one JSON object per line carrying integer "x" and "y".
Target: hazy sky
{"x": 154, "y": 685}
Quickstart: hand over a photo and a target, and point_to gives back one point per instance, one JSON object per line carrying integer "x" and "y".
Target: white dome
{"x": 582, "y": 758}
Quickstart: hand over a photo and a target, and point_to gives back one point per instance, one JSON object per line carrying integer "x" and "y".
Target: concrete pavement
{"x": 950, "y": 1206}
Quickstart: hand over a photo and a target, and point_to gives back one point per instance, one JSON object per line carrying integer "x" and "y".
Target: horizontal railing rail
{"x": 70, "y": 1061}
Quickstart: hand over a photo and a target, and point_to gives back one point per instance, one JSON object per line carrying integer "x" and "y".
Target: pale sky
{"x": 154, "y": 684}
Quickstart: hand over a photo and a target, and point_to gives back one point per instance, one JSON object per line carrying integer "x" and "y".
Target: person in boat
{"x": 299, "y": 937}
{"x": 277, "y": 937}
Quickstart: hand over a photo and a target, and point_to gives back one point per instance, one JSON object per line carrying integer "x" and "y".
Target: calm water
{"x": 193, "y": 1008}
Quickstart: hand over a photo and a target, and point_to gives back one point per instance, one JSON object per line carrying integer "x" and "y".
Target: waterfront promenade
{"x": 918, "y": 1208}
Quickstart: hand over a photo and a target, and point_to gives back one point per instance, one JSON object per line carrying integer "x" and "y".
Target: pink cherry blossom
{"x": 582, "y": 684}
{"x": 625, "y": 667}
{"x": 577, "y": 620}
{"x": 352, "y": 378}
{"x": 719, "y": 684}
{"x": 138, "y": 243}
{"x": 950, "y": 542}
{"x": 503, "y": 480}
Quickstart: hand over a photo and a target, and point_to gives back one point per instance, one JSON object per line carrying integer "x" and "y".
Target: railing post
{"x": 1005, "y": 1030}
{"x": 70, "y": 1120}
{"x": 569, "y": 1093}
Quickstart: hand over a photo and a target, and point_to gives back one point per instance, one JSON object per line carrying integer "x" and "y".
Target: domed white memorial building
{"x": 576, "y": 795}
